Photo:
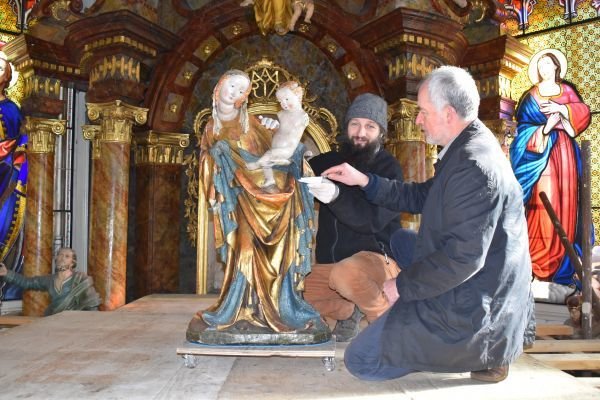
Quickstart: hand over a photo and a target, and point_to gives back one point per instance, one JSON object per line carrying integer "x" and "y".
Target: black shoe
{"x": 346, "y": 329}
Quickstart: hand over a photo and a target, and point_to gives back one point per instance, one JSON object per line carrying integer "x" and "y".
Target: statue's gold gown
{"x": 263, "y": 239}
{"x": 273, "y": 15}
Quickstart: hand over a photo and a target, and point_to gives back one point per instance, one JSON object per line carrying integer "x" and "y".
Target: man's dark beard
{"x": 355, "y": 155}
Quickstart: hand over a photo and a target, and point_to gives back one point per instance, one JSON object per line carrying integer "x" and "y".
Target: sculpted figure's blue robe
{"x": 13, "y": 180}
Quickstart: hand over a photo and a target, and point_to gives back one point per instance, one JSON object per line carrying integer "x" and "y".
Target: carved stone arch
{"x": 265, "y": 78}
{"x": 210, "y": 31}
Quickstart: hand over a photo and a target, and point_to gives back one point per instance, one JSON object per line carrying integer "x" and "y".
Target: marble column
{"x": 158, "y": 163}
{"x": 407, "y": 143}
{"x": 39, "y": 210}
{"x": 111, "y": 146}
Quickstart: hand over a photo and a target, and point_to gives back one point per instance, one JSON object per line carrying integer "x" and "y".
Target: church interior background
{"x": 113, "y": 93}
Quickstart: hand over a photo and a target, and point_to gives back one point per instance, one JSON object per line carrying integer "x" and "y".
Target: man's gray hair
{"x": 455, "y": 87}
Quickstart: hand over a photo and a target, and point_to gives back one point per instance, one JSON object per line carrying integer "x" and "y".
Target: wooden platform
{"x": 131, "y": 354}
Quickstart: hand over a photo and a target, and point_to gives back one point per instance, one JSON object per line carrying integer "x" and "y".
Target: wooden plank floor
{"x": 131, "y": 354}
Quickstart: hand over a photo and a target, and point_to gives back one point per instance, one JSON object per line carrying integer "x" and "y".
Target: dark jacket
{"x": 351, "y": 223}
{"x": 465, "y": 301}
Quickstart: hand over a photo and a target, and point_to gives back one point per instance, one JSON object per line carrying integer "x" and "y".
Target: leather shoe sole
{"x": 492, "y": 375}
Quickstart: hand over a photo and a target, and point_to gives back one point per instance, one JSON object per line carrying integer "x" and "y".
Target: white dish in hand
{"x": 311, "y": 179}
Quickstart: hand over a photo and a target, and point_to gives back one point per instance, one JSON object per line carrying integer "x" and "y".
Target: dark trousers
{"x": 364, "y": 355}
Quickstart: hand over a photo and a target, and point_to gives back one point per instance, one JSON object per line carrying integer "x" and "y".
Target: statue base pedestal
{"x": 192, "y": 352}
{"x": 244, "y": 333}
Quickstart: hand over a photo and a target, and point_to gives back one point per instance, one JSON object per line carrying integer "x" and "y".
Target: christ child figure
{"x": 292, "y": 122}
{"x": 299, "y": 6}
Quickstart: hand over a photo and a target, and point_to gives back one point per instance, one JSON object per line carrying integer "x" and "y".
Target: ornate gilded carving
{"x": 115, "y": 67}
{"x": 408, "y": 38}
{"x": 503, "y": 129}
{"x": 402, "y": 116}
{"x": 352, "y": 73}
{"x": 304, "y": 28}
{"x": 40, "y": 86}
{"x": 207, "y": 48}
{"x": 234, "y": 30}
{"x": 172, "y": 107}
{"x": 60, "y": 10}
{"x": 116, "y": 122}
{"x": 42, "y": 133}
{"x": 186, "y": 74}
{"x": 118, "y": 40}
{"x": 410, "y": 64}
{"x": 488, "y": 87}
{"x": 332, "y": 46}
{"x": 92, "y": 132}
{"x": 153, "y": 147}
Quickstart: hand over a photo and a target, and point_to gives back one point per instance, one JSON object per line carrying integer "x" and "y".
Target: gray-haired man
{"x": 464, "y": 302}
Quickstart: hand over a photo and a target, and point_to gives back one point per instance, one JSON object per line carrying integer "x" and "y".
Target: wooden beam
{"x": 15, "y": 320}
{"x": 574, "y": 362}
{"x": 564, "y": 346}
{"x": 554, "y": 329}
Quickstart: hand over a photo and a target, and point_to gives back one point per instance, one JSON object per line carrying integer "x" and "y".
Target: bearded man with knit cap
{"x": 352, "y": 245}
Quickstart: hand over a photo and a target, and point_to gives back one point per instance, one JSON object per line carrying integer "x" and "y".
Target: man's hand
{"x": 326, "y": 191}
{"x": 3, "y": 269}
{"x": 391, "y": 291}
{"x": 347, "y": 174}
{"x": 268, "y": 123}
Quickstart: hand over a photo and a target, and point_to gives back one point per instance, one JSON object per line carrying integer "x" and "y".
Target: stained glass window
{"x": 550, "y": 25}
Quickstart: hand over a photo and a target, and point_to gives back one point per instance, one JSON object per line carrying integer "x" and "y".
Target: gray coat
{"x": 465, "y": 302}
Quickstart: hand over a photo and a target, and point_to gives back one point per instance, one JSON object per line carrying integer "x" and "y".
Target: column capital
{"x": 116, "y": 122}
{"x": 504, "y": 130}
{"x": 42, "y": 133}
{"x": 403, "y": 114}
{"x": 152, "y": 147}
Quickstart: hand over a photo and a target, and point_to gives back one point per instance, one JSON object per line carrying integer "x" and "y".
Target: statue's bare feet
{"x": 307, "y": 20}
{"x": 246, "y": 3}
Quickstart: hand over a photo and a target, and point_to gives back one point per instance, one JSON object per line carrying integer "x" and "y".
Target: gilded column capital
{"x": 117, "y": 119}
{"x": 403, "y": 114}
{"x": 153, "y": 147}
{"x": 92, "y": 132}
{"x": 503, "y": 129}
{"x": 42, "y": 133}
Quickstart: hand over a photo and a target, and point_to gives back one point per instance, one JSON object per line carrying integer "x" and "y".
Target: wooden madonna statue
{"x": 264, "y": 239}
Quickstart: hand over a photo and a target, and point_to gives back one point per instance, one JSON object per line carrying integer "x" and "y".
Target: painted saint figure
{"x": 68, "y": 289}
{"x": 263, "y": 239}
{"x": 13, "y": 180}
{"x": 546, "y": 158}
{"x": 293, "y": 120}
